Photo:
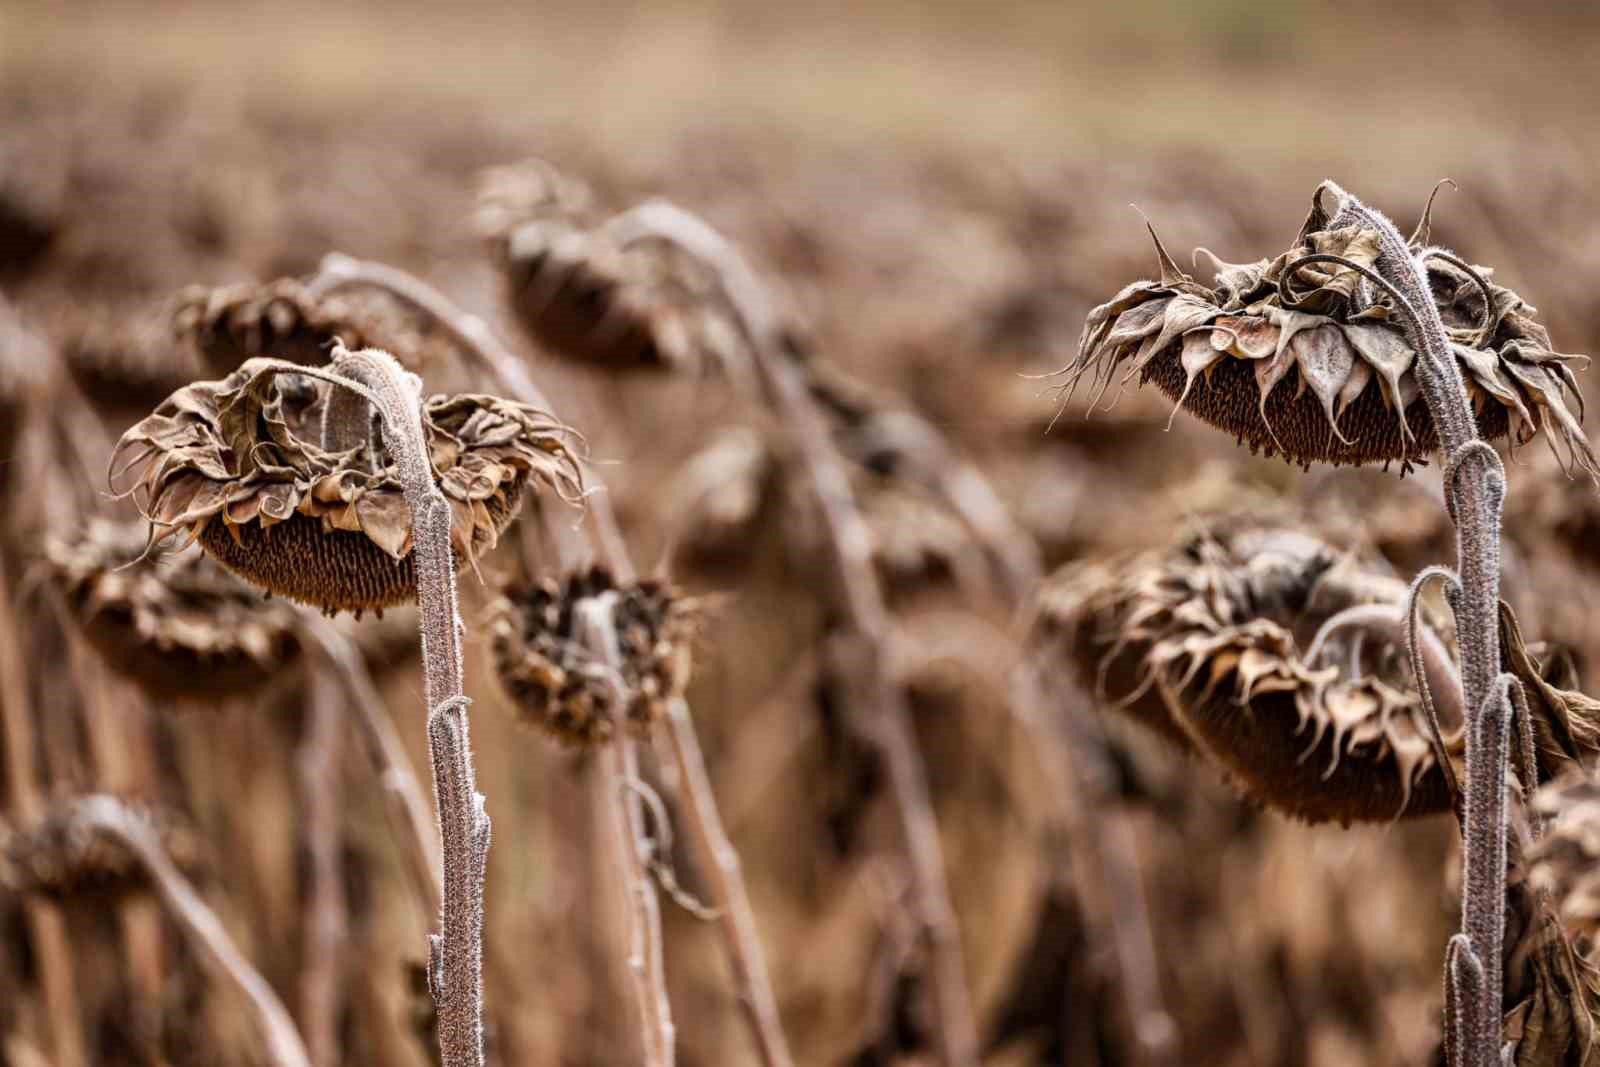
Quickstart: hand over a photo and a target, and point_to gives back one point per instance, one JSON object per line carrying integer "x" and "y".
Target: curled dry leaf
{"x": 176, "y": 623}
{"x": 238, "y": 465}
{"x": 63, "y": 856}
{"x": 558, "y": 686}
{"x": 1303, "y": 359}
{"x": 1206, "y": 643}
{"x": 1566, "y": 721}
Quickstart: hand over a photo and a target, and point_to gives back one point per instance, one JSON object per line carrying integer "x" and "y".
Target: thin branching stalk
{"x": 1474, "y": 485}
{"x": 46, "y": 928}
{"x": 326, "y": 913}
{"x": 809, "y": 451}
{"x": 200, "y": 925}
{"x": 711, "y": 843}
{"x": 403, "y": 796}
{"x": 455, "y": 954}
{"x": 596, "y": 629}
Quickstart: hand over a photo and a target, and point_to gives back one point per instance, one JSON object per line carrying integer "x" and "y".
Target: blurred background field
{"x": 942, "y": 191}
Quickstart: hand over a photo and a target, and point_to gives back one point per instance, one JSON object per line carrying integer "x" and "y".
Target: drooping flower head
{"x": 250, "y": 467}
{"x": 560, "y": 686}
{"x": 1211, "y": 643}
{"x": 1301, "y": 356}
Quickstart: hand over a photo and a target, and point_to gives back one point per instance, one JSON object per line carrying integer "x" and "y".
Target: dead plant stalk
{"x": 711, "y": 842}
{"x": 809, "y": 451}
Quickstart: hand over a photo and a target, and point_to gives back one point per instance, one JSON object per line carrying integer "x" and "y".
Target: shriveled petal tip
{"x": 1325, "y": 360}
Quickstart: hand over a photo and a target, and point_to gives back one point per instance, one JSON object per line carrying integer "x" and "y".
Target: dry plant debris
{"x": 280, "y": 320}
{"x": 243, "y": 466}
{"x": 558, "y": 686}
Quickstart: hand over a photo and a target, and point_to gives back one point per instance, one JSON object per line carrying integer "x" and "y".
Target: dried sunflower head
{"x": 587, "y": 292}
{"x": 247, "y": 466}
{"x": 65, "y": 856}
{"x": 280, "y": 319}
{"x": 1207, "y": 643}
{"x": 1305, "y": 360}
{"x": 177, "y": 623}
{"x": 559, "y": 686}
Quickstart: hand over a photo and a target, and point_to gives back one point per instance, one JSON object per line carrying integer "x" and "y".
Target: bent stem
{"x": 809, "y": 451}
{"x": 455, "y": 954}
{"x": 200, "y": 925}
{"x": 1474, "y": 485}
{"x": 711, "y": 842}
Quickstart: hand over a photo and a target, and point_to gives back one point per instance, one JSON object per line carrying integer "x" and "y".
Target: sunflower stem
{"x": 809, "y": 451}
{"x": 1474, "y": 488}
{"x": 456, "y": 953}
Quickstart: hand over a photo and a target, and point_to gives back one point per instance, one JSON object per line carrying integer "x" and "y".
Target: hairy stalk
{"x": 809, "y": 451}
{"x": 326, "y": 924}
{"x": 200, "y": 925}
{"x": 46, "y": 929}
{"x": 403, "y": 796}
{"x": 596, "y": 629}
{"x": 1474, "y": 486}
{"x": 711, "y": 843}
{"x": 455, "y": 954}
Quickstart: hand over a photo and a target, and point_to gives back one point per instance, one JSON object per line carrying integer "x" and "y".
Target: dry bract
{"x": 1298, "y": 356}
{"x": 237, "y": 464}
{"x": 64, "y": 856}
{"x": 178, "y": 624}
{"x": 559, "y": 686}
{"x": 1206, "y": 644}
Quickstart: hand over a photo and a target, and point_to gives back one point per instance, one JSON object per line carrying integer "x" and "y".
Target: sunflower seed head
{"x": 1298, "y": 356}
{"x": 281, "y": 319}
{"x": 177, "y": 623}
{"x": 240, "y": 465}
{"x": 558, "y": 686}
{"x": 65, "y": 856}
{"x": 1206, "y": 643}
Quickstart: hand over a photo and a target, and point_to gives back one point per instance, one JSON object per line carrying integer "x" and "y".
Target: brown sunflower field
{"x": 908, "y": 609}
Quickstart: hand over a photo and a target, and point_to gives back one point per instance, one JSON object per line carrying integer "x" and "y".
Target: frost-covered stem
{"x": 200, "y": 925}
{"x": 326, "y": 925}
{"x": 402, "y": 792}
{"x": 721, "y": 864}
{"x": 1474, "y": 487}
{"x": 479, "y": 341}
{"x": 596, "y": 630}
{"x": 455, "y": 954}
{"x": 808, "y": 449}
